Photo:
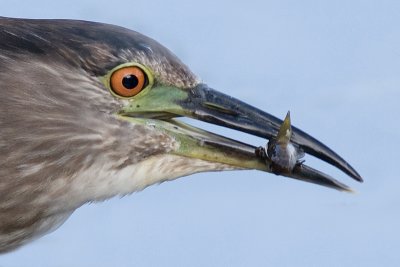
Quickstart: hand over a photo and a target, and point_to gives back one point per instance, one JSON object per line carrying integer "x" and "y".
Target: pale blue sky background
{"x": 334, "y": 64}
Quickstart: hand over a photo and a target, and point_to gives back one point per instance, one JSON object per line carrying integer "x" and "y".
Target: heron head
{"x": 100, "y": 104}
{"x": 89, "y": 111}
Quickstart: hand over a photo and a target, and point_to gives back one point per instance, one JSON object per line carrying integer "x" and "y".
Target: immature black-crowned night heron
{"x": 87, "y": 112}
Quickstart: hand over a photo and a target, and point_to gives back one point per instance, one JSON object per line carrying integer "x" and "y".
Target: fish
{"x": 280, "y": 153}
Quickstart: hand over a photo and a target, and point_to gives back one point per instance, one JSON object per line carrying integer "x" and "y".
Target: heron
{"x": 89, "y": 111}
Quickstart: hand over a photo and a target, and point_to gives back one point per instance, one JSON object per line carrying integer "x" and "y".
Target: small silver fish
{"x": 281, "y": 154}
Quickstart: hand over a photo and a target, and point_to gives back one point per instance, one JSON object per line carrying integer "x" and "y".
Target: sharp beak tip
{"x": 359, "y": 179}
{"x": 354, "y": 174}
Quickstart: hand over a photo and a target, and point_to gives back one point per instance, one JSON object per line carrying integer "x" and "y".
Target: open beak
{"x": 162, "y": 104}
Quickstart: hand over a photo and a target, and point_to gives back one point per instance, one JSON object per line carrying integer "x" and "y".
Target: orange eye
{"x": 128, "y": 81}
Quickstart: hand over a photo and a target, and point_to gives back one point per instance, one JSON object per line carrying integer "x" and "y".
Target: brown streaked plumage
{"x": 63, "y": 144}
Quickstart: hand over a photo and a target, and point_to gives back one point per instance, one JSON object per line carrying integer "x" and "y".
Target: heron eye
{"x": 128, "y": 81}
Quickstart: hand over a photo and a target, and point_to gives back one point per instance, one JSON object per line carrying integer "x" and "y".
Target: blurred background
{"x": 334, "y": 64}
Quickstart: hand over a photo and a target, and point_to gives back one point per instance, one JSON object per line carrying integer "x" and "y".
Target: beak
{"x": 160, "y": 105}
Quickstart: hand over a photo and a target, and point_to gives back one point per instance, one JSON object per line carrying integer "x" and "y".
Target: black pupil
{"x": 130, "y": 81}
